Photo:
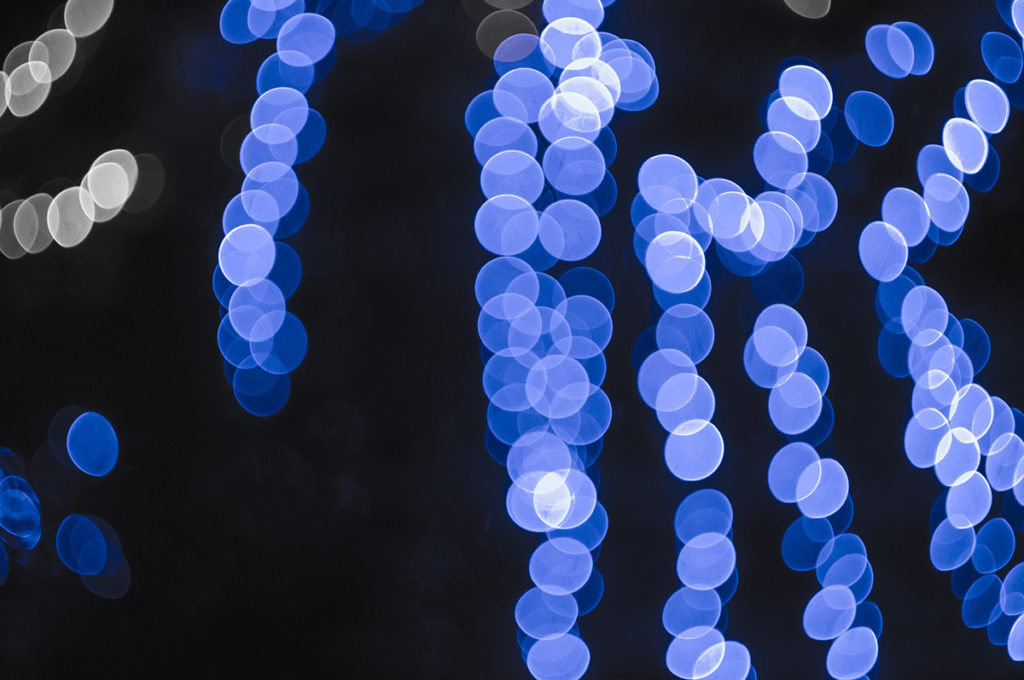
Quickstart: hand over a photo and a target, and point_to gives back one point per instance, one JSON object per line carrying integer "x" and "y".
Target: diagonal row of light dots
{"x": 31, "y": 68}
{"x": 914, "y": 223}
{"x": 955, "y": 427}
{"x": 31, "y": 225}
{"x": 544, "y": 337}
{"x": 677, "y": 215}
{"x": 257, "y": 271}
{"x": 87, "y": 545}
{"x": 955, "y": 423}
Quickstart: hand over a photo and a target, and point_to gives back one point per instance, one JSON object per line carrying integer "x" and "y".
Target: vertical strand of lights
{"x": 677, "y": 216}
{"x": 777, "y": 357}
{"x": 257, "y": 271}
{"x": 543, "y": 337}
{"x": 684, "y": 402}
{"x": 955, "y": 424}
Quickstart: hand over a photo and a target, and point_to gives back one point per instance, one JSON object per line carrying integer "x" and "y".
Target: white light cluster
{"x": 31, "y": 68}
{"x": 32, "y": 224}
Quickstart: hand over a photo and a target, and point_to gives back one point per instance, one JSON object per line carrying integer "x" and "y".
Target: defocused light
{"x": 92, "y": 444}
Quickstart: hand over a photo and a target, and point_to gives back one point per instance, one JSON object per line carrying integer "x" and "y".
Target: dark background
{"x": 361, "y": 533}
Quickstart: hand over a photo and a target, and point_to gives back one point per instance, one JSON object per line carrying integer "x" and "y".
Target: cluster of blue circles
{"x": 956, "y": 426}
{"x": 677, "y": 215}
{"x": 915, "y": 223}
{"x": 257, "y": 272}
{"x": 87, "y": 546}
{"x": 777, "y": 357}
{"x": 971, "y": 441}
{"x": 695, "y": 615}
{"x": 542, "y": 139}
{"x": 244, "y": 21}
{"x": 544, "y": 358}
{"x": 684, "y": 402}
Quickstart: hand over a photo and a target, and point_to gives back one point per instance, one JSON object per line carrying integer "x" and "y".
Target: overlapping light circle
{"x": 900, "y": 50}
{"x": 914, "y": 224}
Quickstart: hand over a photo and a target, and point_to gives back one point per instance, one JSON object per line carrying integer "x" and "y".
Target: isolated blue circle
{"x": 92, "y": 444}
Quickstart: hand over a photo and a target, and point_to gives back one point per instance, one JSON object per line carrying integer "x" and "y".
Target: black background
{"x": 361, "y": 533}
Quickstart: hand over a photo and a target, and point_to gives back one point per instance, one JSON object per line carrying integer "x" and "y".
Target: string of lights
{"x": 543, "y": 338}
{"x": 257, "y": 271}
{"x": 677, "y": 215}
{"x": 954, "y": 421}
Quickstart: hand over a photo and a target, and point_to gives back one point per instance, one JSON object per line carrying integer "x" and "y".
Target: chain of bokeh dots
{"x": 954, "y": 422}
{"x": 543, "y": 338}
{"x": 31, "y": 225}
{"x": 80, "y": 441}
{"x": 257, "y": 271}
{"x": 544, "y": 411}
{"x": 677, "y": 216}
